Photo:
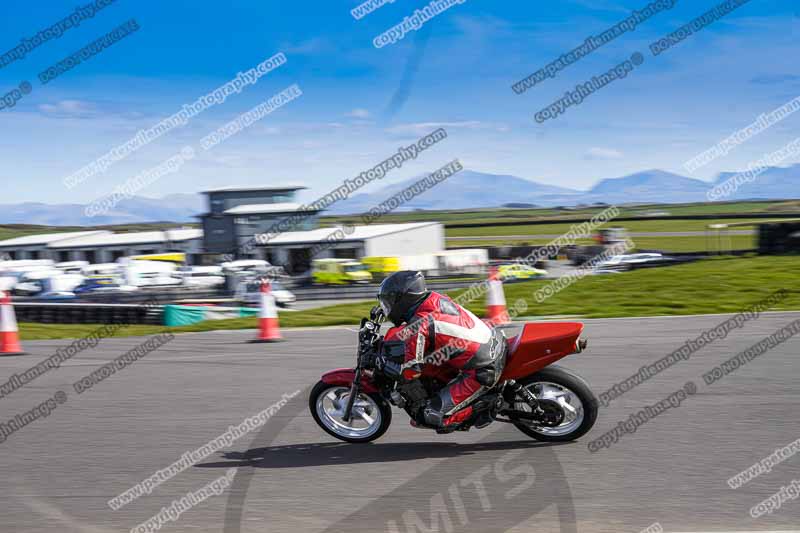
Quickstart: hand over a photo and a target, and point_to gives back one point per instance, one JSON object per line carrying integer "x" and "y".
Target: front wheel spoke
{"x": 365, "y": 417}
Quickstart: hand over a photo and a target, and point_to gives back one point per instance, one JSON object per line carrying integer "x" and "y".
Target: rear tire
{"x": 374, "y": 406}
{"x": 576, "y": 385}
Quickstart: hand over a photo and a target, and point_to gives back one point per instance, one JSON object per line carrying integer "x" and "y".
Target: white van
{"x": 150, "y": 273}
{"x": 49, "y": 284}
{"x": 11, "y": 271}
{"x": 201, "y": 276}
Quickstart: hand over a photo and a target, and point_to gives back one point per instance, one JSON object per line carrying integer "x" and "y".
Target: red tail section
{"x": 540, "y": 345}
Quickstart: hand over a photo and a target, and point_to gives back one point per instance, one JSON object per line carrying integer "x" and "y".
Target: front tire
{"x": 569, "y": 390}
{"x": 371, "y": 416}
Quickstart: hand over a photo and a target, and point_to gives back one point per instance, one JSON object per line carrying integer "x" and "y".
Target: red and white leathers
{"x": 440, "y": 332}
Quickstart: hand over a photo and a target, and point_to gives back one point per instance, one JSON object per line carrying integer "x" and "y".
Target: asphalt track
{"x": 59, "y": 472}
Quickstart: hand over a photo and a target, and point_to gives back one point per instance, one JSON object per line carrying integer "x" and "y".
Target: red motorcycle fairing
{"x": 539, "y": 345}
{"x": 345, "y": 377}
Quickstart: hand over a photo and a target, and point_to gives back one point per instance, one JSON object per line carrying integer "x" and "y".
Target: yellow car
{"x": 519, "y": 272}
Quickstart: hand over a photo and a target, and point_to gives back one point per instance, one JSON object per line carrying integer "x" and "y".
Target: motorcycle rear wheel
{"x": 570, "y": 391}
{"x": 371, "y": 416}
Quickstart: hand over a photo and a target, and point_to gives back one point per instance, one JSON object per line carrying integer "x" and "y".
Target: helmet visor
{"x": 385, "y": 306}
{"x": 385, "y": 298}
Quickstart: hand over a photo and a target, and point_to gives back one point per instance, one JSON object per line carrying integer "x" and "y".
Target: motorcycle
{"x": 544, "y": 401}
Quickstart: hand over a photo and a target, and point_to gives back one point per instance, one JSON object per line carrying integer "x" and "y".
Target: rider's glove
{"x": 388, "y": 367}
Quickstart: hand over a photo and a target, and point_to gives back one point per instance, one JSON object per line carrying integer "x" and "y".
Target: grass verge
{"x": 719, "y": 285}
{"x": 666, "y": 244}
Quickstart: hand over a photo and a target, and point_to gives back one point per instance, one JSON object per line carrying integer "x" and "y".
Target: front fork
{"x": 351, "y": 400}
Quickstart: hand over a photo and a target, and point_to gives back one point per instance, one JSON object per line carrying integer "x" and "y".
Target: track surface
{"x": 59, "y": 471}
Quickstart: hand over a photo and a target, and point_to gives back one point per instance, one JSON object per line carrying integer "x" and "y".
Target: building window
{"x": 35, "y": 254}
{"x": 116, "y": 254}
{"x": 63, "y": 257}
{"x": 345, "y": 253}
{"x": 89, "y": 256}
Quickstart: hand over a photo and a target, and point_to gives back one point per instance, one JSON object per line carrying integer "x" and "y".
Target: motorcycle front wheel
{"x": 567, "y": 391}
{"x": 370, "y": 418}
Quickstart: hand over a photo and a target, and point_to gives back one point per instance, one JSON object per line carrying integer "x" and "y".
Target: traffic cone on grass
{"x": 496, "y": 312}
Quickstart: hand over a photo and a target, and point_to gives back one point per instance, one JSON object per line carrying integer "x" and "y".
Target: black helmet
{"x": 400, "y": 293}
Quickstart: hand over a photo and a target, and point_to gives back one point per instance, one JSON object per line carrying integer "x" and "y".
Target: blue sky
{"x": 356, "y": 108}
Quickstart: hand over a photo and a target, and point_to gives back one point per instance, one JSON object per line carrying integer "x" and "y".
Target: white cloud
{"x": 312, "y": 46}
{"x": 422, "y": 128}
{"x": 602, "y": 5}
{"x": 359, "y": 113}
{"x": 602, "y": 153}
{"x": 69, "y": 109}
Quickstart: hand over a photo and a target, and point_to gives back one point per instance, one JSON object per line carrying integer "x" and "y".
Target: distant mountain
{"x": 470, "y": 189}
{"x": 650, "y": 186}
{"x": 173, "y": 208}
{"x": 774, "y": 183}
{"x": 464, "y": 190}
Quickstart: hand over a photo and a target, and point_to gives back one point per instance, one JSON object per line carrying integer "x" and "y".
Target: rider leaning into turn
{"x": 431, "y": 329}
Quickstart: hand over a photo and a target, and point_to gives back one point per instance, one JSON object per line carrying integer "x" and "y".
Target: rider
{"x": 431, "y": 329}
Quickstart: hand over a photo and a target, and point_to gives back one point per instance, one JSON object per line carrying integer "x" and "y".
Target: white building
{"x": 102, "y": 246}
{"x": 293, "y": 249}
{"x": 296, "y": 249}
{"x": 37, "y": 246}
{"x": 109, "y": 248}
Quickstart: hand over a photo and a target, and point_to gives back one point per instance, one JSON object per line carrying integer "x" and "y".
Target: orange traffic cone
{"x": 9, "y": 333}
{"x": 496, "y": 312}
{"x": 269, "y": 331}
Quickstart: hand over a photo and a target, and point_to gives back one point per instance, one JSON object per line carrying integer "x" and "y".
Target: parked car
{"x": 102, "y": 284}
{"x": 249, "y": 292}
{"x": 623, "y": 262}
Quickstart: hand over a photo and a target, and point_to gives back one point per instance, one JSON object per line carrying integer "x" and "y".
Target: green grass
{"x": 493, "y": 215}
{"x": 667, "y": 244}
{"x": 14, "y": 231}
{"x": 561, "y": 228}
{"x": 719, "y": 285}
{"x": 696, "y": 244}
